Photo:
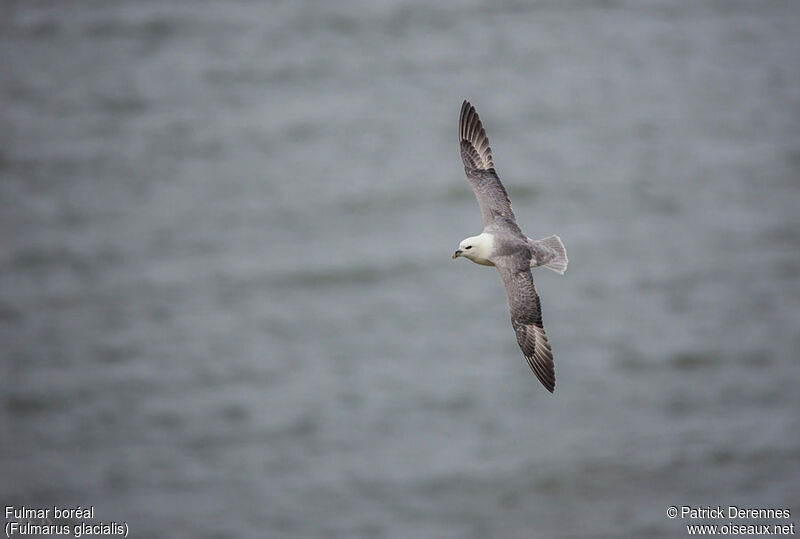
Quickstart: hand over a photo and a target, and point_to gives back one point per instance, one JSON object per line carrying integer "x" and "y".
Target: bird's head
{"x": 474, "y": 248}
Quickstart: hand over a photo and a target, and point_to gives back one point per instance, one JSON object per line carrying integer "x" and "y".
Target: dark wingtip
{"x": 465, "y": 106}
{"x": 470, "y": 129}
{"x": 549, "y": 385}
{"x": 545, "y": 376}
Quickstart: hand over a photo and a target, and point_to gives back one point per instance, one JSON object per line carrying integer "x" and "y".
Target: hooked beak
{"x": 456, "y": 254}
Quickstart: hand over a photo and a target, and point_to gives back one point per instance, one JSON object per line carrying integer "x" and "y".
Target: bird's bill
{"x": 456, "y": 254}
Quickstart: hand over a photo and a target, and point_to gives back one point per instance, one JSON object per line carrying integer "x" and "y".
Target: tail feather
{"x": 560, "y": 260}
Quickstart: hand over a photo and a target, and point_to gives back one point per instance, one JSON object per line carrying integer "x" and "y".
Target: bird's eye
{"x": 468, "y": 247}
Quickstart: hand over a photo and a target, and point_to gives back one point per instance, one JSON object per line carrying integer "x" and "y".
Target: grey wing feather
{"x": 479, "y": 167}
{"x": 526, "y": 319}
{"x": 471, "y": 130}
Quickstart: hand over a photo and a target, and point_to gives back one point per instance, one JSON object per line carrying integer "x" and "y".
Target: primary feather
{"x": 479, "y": 167}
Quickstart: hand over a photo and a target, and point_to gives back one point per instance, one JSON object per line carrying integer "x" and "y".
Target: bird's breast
{"x": 484, "y": 249}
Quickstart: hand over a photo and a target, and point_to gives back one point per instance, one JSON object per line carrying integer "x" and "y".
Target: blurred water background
{"x": 228, "y": 309}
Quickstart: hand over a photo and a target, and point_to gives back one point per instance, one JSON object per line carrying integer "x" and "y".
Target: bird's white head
{"x": 476, "y": 248}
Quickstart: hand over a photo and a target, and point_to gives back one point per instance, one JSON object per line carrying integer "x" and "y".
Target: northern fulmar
{"x": 503, "y": 244}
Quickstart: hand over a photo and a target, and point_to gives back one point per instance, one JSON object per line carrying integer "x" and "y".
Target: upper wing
{"x": 526, "y": 319}
{"x": 477, "y": 157}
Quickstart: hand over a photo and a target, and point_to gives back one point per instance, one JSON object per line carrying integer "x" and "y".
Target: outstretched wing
{"x": 477, "y": 157}
{"x": 526, "y": 319}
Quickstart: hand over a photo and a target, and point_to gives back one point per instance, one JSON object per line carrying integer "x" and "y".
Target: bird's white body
{"x": 548, "y": 252}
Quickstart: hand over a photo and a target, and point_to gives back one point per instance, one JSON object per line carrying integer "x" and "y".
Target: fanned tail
{"x": 560, "y": 261}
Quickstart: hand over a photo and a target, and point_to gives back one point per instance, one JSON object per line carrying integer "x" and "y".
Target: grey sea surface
{"x": 228, "y": 309}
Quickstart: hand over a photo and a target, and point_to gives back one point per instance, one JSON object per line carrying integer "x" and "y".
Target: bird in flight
{"x": 503, "y": 244}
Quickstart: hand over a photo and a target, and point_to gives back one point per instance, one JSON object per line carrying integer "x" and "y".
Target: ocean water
{"x": 228, "y": 309}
